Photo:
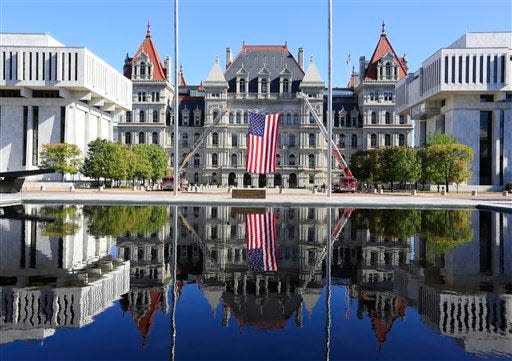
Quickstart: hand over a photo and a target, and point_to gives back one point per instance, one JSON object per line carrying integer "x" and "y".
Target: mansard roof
{"x": 382, "y": 49}
{"x": 148, "y": 48}
{"x": 274, "y": 58}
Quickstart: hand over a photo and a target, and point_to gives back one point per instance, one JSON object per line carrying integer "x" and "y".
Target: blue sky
{"x": 112, "y": 28}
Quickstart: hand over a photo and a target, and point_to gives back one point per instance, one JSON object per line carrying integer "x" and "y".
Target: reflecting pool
{"x": 219, "y": 283}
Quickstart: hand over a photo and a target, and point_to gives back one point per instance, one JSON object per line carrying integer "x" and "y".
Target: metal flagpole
{"x": 176, "y": 100}
{"x": 174, "y": 282}
{"x": 329, "y": 99}
{"x": 328, "y": 262}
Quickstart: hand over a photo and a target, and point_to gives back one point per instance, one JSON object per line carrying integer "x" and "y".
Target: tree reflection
{"x": 65, "y": 221}
{"x": 117, "y": 221}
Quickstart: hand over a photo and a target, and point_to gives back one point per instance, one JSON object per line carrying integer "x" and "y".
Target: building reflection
{"x": 52, "y": 272}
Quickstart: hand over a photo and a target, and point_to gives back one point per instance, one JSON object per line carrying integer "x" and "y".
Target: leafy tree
{"x": 398, "y": 223}
{"x": 65, "y": 221}
{"x": 360, "y": 165}
{"x": 444, "y": 230}
{"x": 142, "y": 167}
{"x": 95, "y": 164}
{"x": 158, "y": 158}
{"x": 438, "y": 137}
{"x": 63, "y": 157}
{"x": 449, "y": 162}
{"x": 114, "y": 161}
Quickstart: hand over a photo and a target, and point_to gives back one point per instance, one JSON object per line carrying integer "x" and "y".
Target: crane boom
{"x": 335, "y": 151}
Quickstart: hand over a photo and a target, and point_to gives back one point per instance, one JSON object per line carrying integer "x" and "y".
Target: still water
{"x": 108, "y": 283}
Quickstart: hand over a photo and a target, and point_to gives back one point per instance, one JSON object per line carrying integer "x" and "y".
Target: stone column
{"x": 240, "y": 180}
{"x": 270, "y": 181}
{"x": 255, "y": 180}
{"x": 224, "y": 181}
{"x": 284, "y": 179}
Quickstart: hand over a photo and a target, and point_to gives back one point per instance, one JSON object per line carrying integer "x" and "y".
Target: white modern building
{"x": 465, "y": 90}
{"x": 51, "y": 93}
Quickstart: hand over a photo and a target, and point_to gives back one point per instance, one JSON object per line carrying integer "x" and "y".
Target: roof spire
{"x": 148, "y": 31}
{"x": 217, "y": 59}
{"x": 383, "y": 28}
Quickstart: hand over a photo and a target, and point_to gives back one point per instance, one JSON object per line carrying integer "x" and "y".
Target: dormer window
{"x": 143, "y": 70}
{"x": 286, "y": 86}
{"x": 197, "y": 117}
{"x": 388, "y": 71}
{"x": 185, "y": 116}
{"x": 242, "y": 85}
{"x": 263, "y": 86}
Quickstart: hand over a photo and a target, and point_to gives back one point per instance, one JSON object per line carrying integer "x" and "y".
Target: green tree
{"x": 63, "y": 157}
{"x": 115, "y": 162}
{"x": 64, "y": 221}
{"x": 438, "y": 137}
{"x": 142, "y": 167}
{"x": 444, "y": 230}
{"x": 360, "y": 165}
{"x": 158, "y": 158}
{"x": 449, "y": 162}
{"x": 94, "y": 165}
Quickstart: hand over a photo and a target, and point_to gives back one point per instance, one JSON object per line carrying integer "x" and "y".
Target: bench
{"x": 249, "y": 193}
{"x": 13, "y": 181}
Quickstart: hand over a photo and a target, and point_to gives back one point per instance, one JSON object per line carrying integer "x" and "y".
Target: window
{"x": 215, "y": 139}
{"x": 196, "y": 160}
{"x": 234, "y": 140}
{"x": 387, "y": 140}
{"x": 246, "y": 119}
{"x": 342, "y": 141}
{"x": 286, "y": 86}
{"x": 311, "y": 180}
{"x": 141, "y": 116}
{"x": 374, "y": 118}
{"x": 278, "y": 159}
{"x": 231, "y": 118}
{"x": 311, "y": 160}
{"x": 234, "y": 160}
{"x": 354, "y": 141}
{"x": 154, "y": 138}
{"x": 446, "y": 69}
{"x": 142, "y": 69}
{"x": 291, "y": 140}
{"x": 263, "y": 86}
{"x": 238, "y": 118}
{"x": 295, "y": 118}
{"x": 291, "y": 160}
{"x": 128, "y": 117}
{"x": 460, "y": 69}
{"x": 141, "y": 138}
{"x": 402, "y": 119}
{"x": 311, "y": 139}
{"x": 242, "y": 86}
{"x": 155, "y": 116}
{"x": 184, "y": 138}
{"x": 128, "y": 138}
{"x": 196, "y": 137}
{"x": 342, "y": 119}
{"x": 196, "y": 178}
{"x": 387, "y": 117}
{"x": 373, "y": 140}
{"x": 288, "y": 118}
{"x": 401, "y": 140}
{"x": 388, "y": 71}
{"x": 215, "y": 160}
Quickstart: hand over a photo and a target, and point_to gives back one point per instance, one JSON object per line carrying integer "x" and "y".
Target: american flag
{"x": 262, "y": 247}
{"x": 262, "y": 143}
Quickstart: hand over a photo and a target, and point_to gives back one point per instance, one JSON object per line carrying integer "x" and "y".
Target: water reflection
{"x": 261, "y": 270}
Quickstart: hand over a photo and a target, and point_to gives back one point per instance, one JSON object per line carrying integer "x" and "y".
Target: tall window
{"x": 286, "y": 86}
{"x": 154, "y": 138}
{"x": 401, "y": 140}
{"x": 128, "y": 138}
{"x": 311, "y": 139}
{"x": 238, "y": 118}
{"x": 196, "y": 160}
{"x": 374, "y": 118}
{"x": 387, "y": 140}
{"x": 354, "y": 141}
{"x": 388, "y": 71}
{"x": 263, "y": 85}
{"x": 291, "y": 159}
{"x": 184, "y": 138}
{"x": 141, "y": 116}
{"x": 311, "y": 160}
{"x": 215, "y": 139}
{"x": 215, "y": 160}
{"x": 373, "y": 140}
{"x": 486, "y": 137}
{"x": 402, "y": 119}
{"x": 278, "y": 159}
{"x": 196, "y": 137}
{"x": 231, "y": 118}
{"x": 234, "y": 160}
{"x": 288, "y": 118}
{"x": 128, "y": 117}
{"x": 234, "y": 140}
{"x": 246, "y": 119}
{"x": 387, "y": 117}
{"x": 342, "y": 140}
{"x": 291, "y": 140}
{"x": 295, "y": 118}
{"x": 155, "y": 116}
{"x": 242, "y": 85}
{"x": 142, "y": 69}
{"x": 142, "y": 139}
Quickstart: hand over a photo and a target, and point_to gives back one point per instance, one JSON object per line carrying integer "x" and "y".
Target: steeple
{"x": 147, "y": 49}
{"x": 148, "y": 31}
{"x": 383, "y": 32}
{"x": 216, "y": 76}
{"x": 312, "y": 76}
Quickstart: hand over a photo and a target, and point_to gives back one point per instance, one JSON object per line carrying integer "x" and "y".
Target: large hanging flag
{"x": 261, "y": 237}
{"x": 262, "y": 143}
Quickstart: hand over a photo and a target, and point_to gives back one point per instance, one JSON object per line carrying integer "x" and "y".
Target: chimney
{"x": 167, "y": 66}
{"x": 362, "y": 68}
{"x": 300, "y": 57}
{"x": 228, "y": 57}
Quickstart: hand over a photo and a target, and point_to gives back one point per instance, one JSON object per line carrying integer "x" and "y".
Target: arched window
{"x": 154, "y": 138}
{"x": 141, "y": 138}
{"x": 288, "y": 118}
{"x": 128, "y": 117}
{"x": 185, "y": 139}
{"x": 311, "y": 139}
{"x": 128, "y": 138}
{"x": 215, "y": 139}
{"x": 234, "y": 160}
{"x": 197, "y": 160}
{"x": 387, "y": 118}
{"x": 278, "y": 159}
{"x": 231, "y": 118}
{"x": 295, "y": 118}
{"x": 388, "y": 71}
{"x": 387, "y": 140}
{"x": 141, "y": 116}
{"x": 374, "y": 118}
{"x": 143, "y": 69}
{"x": 196, "y": 137}
{"x": 373, "y": 140}
{"x": 342, "y": 119}
{"x": 311, "y": 178}
{"x": 291, "y": 160}
{"x": 286, "y": 86}
{"x": 311, "y": 160}
{"x": 401, "y": 140}
{"x": 242, "y": 85}
{"x": 354, "y": 141}
{"x": 196, "y": 177}
{"x": 342, "y": 140}
{"x": 215, "y": 114}
{"x": 246, "y": 118}
{"x": 291, "y": 141}
{"x": 155, "y": 116}
{"x": 238, "y": 118}
{"x": 215, "y": 160}
{"x": 234, "y": 140}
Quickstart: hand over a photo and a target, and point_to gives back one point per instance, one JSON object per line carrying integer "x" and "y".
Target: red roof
{"x": 384, "y": 47}
{"x": 182, "y": 81}
{"x": 148, "y": 47}
{"x": 145, "y": 322}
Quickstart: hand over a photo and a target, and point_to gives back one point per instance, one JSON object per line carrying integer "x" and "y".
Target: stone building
{"x": 264, "y": 78}
{"x": 152, "y": 94}
{"x": 52, "y": 93}
{"x": 377, "y": 124}
{"x": 465, "y": 90}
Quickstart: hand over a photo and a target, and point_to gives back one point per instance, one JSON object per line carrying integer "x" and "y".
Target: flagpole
{"x": 329, "y": 100}
{"x": 176, "y": 101}
{"x": 174, "y": 250}
{"x": 328, "y": 291}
